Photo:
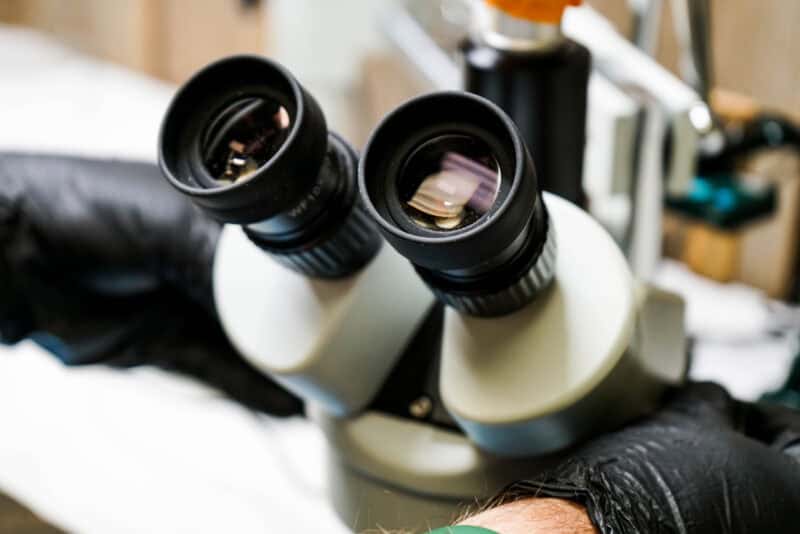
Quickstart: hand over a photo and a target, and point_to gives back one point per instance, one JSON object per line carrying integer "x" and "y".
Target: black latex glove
{"x": 103, "y": 262}
{"x": 704, "y": 464}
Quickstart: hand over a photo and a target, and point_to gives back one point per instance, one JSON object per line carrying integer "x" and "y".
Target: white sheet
{"x": 739, "y": 341}
{"x": 141, "y": 451}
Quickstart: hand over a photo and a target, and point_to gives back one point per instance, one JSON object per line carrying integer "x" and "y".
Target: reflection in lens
{"x": 243, "y": 137}
{"x": 449, "y": 183}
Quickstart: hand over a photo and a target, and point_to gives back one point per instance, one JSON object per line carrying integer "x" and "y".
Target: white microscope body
{"x": 566, "y": 345}
{"x": 331, "y": 342}
{"x": 593, "y": 350}
{"x": 565, "y": 366}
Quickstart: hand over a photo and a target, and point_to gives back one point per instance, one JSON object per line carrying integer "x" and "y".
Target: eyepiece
{"x": 454, "y": 190}
{"x": 250, "y": 146}
{"x": 242, "y": 138}
{"x": 449, "y": 182}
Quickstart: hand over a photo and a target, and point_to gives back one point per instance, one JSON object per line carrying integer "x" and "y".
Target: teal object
{"x": 462, "y": 530}
{"x": 725, "y": 201}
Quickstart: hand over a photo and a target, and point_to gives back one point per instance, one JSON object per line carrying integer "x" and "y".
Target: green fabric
{"x": 462, "y": 530}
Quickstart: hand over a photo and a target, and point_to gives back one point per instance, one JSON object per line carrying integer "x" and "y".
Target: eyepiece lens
{"x": 449, "y": 183}
{"x": 242, "y": 137}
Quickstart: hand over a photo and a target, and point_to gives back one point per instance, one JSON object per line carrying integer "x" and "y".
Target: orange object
{"x": 712, "y": 252}
{"x": 548, "y": 11}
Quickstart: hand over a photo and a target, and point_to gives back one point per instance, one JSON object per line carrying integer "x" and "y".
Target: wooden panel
{"x": 15, "y": 518}
{"x": 195, "y": 32}
{"x": 711, "y": 252}
{"x": 167, "y": 38}
{"x": 769, "y": 248}
{"x": 755, "y": 48}
{"x": 9, "y": 11}
{"x": 111, "y": 30}
{"x": 386, "y": 82}
{"x": 616, "y": 11}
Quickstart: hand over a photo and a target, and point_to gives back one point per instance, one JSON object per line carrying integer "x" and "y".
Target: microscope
{"x": 450, "y": 327}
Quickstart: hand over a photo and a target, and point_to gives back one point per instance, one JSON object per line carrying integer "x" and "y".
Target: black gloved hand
{"x": 704, "y": 464}
{"x": 101, "y": 261}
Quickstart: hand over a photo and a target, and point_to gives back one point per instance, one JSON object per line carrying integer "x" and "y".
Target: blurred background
{"x": 361, "y": 58}
{"x": 339, "y": 48}
{"x": 95, "y": 76}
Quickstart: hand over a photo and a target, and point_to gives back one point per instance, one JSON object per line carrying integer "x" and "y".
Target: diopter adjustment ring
{"x": 349, "y": 248}
{"x": 516, "y": 295}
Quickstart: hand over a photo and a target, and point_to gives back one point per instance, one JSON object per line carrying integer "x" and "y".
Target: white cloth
{"x": 740, "y": 342}
{"x": 141, "y": 451}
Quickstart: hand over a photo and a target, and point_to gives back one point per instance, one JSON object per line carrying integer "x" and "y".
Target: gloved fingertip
{"x": 56, "y": 347}
{"x": 285, "y": 406}
{"x": 15, "y": 319}
{"x": 11, "y": 332}
{"x": 703, "y": 401}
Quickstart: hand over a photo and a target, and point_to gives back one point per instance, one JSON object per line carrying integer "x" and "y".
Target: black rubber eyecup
{"x": 492, "y": 238}
{"x": 277, "y": 185}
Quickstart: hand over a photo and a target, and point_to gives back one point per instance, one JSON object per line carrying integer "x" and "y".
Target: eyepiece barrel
{"x": 250, "y": 146}
{"x": 454, "y": 190}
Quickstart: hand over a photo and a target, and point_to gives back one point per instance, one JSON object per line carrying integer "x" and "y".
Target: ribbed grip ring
{"x": 348, "y": 249}
{"x": 515, "y": 296}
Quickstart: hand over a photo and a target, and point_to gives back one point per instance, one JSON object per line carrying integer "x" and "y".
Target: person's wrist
{"x": 534, "y": 515}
